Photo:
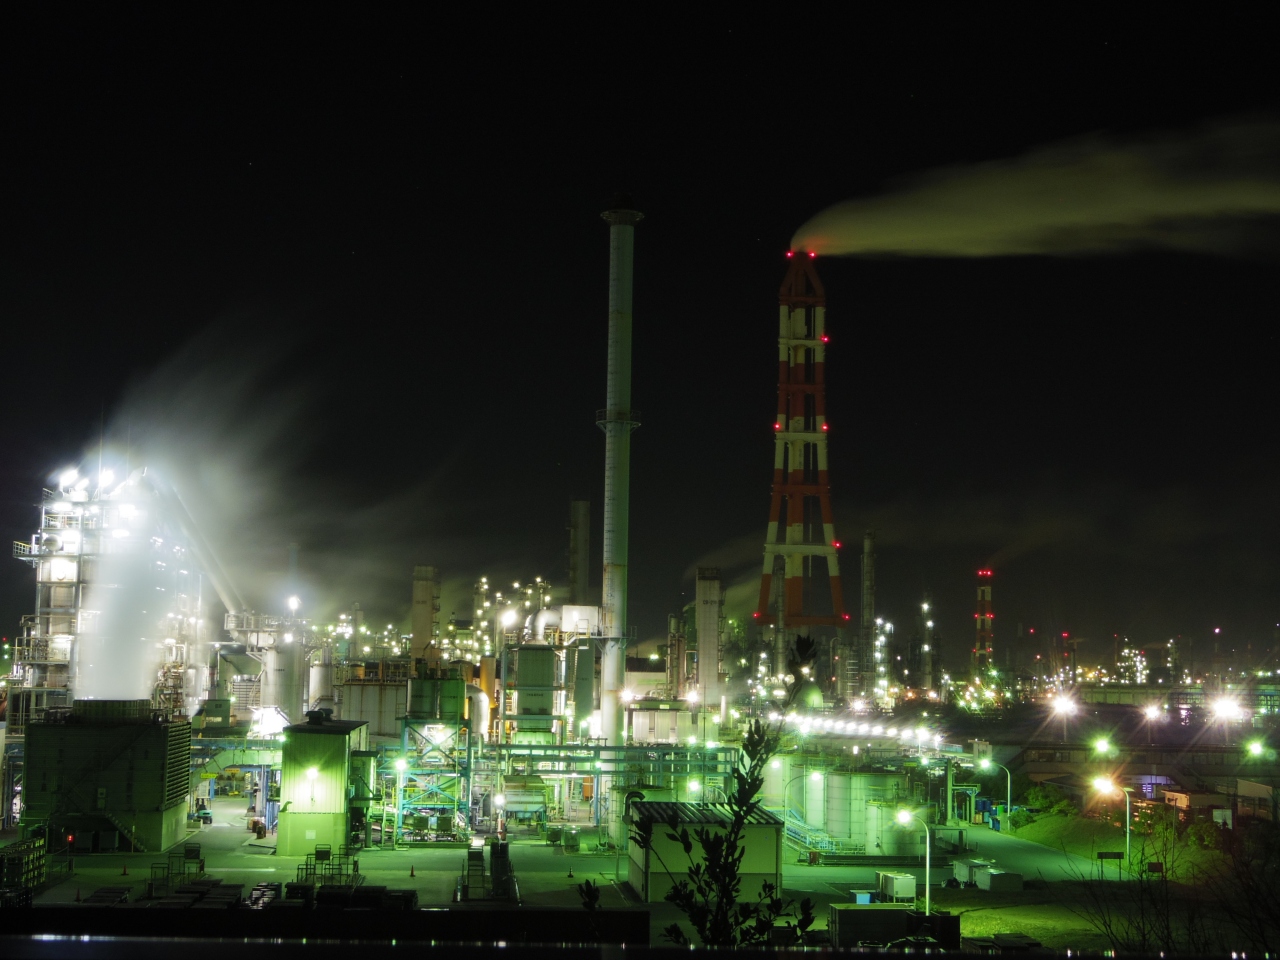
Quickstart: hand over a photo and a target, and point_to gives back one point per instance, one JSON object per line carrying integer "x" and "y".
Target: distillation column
{"x": 617, "y": 420}
{"x": 801, "y": 533}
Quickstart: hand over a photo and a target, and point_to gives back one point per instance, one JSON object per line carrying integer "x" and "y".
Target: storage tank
{"x": 838, "y": 791}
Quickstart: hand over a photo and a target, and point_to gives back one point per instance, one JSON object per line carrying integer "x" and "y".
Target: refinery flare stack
{"x": 800, "y": 591}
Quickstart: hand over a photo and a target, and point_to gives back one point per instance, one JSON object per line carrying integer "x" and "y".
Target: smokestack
{"x": 617, "y": 420}
{"x": 866, "y": 638}
{"x": 426, "y": 604}
{"x": 579, "y": 551}
{"x": 985, "y": 627}
{"x": 710, "y": 610}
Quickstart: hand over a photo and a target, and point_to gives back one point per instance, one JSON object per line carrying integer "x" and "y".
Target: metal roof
{"x": 662, "y": 811}
{"x": 342, "y": 727}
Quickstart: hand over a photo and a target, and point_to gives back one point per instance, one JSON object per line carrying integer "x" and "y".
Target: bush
{"x": 1019, "y": 819}
{"x": 1204, "y": 834}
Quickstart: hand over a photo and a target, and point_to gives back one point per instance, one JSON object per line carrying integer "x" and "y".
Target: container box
{"x": 896, "y": 886}
{"x": 999, "y": 881}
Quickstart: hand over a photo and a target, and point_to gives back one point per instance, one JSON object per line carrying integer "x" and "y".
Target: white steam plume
{"x": 1210, "y": 190}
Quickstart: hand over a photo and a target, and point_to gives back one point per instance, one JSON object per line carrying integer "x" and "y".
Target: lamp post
{"x": 1064, "y": 706}
{"x": 1152, "y": 713}
{"x": 1105, "y": 787}
{"x": 401, "y": 766}
{"x": 904, "y": 818}
{"x": 987, "y": 764}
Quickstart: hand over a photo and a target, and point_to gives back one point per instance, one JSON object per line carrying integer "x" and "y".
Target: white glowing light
{"x": 294, "y": 604}
{"x": 68, "y": 477}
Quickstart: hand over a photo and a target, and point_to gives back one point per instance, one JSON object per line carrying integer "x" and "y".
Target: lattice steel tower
{"x": 801, "y": 542}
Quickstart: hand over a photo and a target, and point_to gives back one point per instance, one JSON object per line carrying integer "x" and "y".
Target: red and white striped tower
{"x": 801, "y": 538}
{"x": 985, "y": 626}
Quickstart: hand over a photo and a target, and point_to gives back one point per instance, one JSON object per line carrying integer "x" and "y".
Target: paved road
{"x": 543, "y": 871}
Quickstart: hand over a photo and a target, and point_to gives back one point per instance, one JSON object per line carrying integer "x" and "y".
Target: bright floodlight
{"x": 294, "y": 604}
{"x": 1102, "y": 745}
{"x": 815, "y": 776}
{"x": 1151, "y": 712}
{"x": 68, "y": 477}
{"x": 1104, "y": 785}
{"x": 904, "y": 816}
{"x": 312, "y": 773}
{"x": 694, "y": 786}
{"x": 402, "y": 764}
{"x": 984, "y": 763}
{"x": 1226, "y": 709}
{"x": 692, "y": 696}
{"x": 508, "y": 618}
{"x": 1255, "y": 749}
{"x": 1062, "y": 704}
{"x": 500, "y": 800}
{"x": 105, "y": 478}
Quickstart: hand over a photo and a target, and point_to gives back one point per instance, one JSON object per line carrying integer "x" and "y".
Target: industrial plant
{"x": 145, "y": 695}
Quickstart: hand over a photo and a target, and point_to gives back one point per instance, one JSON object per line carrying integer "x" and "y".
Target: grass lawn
{"x": 1084, "y": 837}
{"x": 1049, "y": 912}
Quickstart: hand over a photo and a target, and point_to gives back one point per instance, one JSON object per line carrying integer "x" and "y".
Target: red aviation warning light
{"x": 790, "y": 254}
{"x": 812, "y": 255}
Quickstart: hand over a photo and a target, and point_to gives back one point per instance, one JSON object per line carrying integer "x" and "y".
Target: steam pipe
{"x": 617, "y": 420}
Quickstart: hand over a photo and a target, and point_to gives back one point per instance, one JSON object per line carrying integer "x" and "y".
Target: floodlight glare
{"x": 294, "y": 604}
{"x": 1102, "y": 745}
{"x": 1255, "y": 749}
{"x": 1104, "y": 785}
{"x": 904, "y": 816}
{"x": 312, "y": 773}
{"x": 1226, "y": 709}
{"x": 401, "y": 764}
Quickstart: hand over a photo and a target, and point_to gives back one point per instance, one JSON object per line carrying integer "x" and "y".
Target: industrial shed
{"x": 646, "y": 873}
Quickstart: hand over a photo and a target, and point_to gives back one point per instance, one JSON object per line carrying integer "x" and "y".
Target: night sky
{"x": 347, "y": 279}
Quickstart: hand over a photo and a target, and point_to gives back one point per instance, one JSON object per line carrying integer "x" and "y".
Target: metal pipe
{"x": 617, "y": 421}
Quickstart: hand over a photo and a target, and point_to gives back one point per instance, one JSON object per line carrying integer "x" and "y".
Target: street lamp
{"x": 987, "y": 764}
{"x": 1152, "y": 713}
{"x": 1105, "y": 787}
{"x": 1064, "y": 706}
{"x": 904, "y": 818}
{"x": 401, "y": 766}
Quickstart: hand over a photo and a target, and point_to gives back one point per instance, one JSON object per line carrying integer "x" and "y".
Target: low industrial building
{"x": 109, "y": 774}
{"x": 654, "y": 870}
{"x": 318, "y": 783}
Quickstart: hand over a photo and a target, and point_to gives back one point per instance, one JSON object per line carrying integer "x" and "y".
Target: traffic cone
{"x": 125, "y": 871}
{"x": 571, "y": 873}
{"x": 411, "y": 873}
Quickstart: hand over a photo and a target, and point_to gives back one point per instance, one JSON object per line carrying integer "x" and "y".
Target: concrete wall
{"x": 381, "y": 705}
{"x": 761, "y": 861}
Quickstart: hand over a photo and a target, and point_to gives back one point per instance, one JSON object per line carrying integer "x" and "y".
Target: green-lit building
{"x": 112, "y": 774}
{"x": 318, "y": 783}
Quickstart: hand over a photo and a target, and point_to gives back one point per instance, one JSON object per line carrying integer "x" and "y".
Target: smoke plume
{"x": 1212, "y": 190}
